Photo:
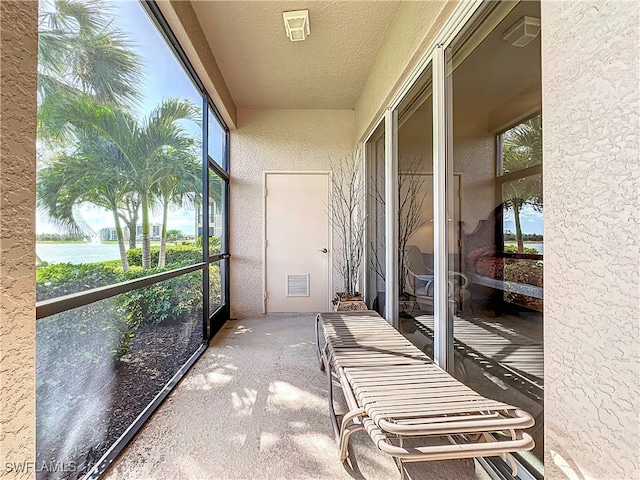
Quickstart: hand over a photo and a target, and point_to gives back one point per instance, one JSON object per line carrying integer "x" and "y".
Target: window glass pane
{"x": 521, "y": 146}
{"x": 119, "y": 151}
{"x": 99, "y": 366}
{"x": 216, "y": 220}
{"x": 119, "y": 183}
{"x": 375, "y": 289}
{"x": 216, "y": 285}
{"x": 522, "y": 219}
{"x": 216, "y": 138}
{"x": 494, "y": 201}
{"x": 415, "y": 214}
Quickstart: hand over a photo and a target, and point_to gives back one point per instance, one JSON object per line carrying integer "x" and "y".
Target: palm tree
{"x": 147, "y": 149}
{"x": 94, "y": 173}
{"x": 183, "y": 185}
{"x": 157, "y": 140}
{"x": 522, "y": 148}
{"x": 80, "y": 52}
{"x": 129, "y": 215}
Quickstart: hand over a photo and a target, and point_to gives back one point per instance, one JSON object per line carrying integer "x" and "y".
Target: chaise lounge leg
{"x": 332, "y": 412}
{"x": 400, "y": 463}
{"x": 318, "y": 350}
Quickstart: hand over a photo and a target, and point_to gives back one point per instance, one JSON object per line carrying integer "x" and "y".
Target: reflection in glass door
{"x": 374, "y": 264}
{"x": 495, "y": 253}
{"x": 415, "y": 214}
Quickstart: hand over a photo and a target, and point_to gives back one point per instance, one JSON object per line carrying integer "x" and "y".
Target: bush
{"x": 530, "y": 272}
{"x": 214, "y": 244}
{"x": 177, "y": 255}
{"x": 215, "y": 284}
{"x": 119, "y": 318}
{"x": 160, "y": 302}
{"x": 59, "y": 279}
{"x": 514, "y": 249}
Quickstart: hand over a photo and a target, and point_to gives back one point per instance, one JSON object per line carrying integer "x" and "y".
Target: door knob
{"x": 324, "y": 250}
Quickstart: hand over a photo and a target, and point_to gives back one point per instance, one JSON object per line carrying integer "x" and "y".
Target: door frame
{"x": 329, "y": 175}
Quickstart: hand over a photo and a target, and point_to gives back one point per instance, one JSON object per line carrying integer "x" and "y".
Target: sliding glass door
{"x": 470, "y": 207}
{"x": 374, "y": 258}
{"x": 495, "y": 201}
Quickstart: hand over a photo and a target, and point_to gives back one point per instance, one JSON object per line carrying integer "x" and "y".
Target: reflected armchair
{"x": 419, "y": 281}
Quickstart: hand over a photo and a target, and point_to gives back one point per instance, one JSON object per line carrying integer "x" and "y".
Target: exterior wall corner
{"x": 18, "y": 76}
{"x": 591, "y": 104}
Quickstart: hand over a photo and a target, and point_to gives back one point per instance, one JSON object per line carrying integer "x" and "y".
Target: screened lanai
{"x": 170, "y": 229}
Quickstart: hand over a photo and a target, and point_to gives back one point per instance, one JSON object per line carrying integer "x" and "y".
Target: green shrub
{"x": 514, "y": 249}
{"x": 530, "y": 272}
{"x": 177, "y": 255}
{"x": 215, "y": 284}
{"x": 214, "y": 244}
{"x": 169, "y": 300}
{"x": 59, "y": 279}
{"x": 116, "y": 320}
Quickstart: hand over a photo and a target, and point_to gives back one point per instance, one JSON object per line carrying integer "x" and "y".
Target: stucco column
{"x": 18, "y": 77}
{"x": 591, "y": 104}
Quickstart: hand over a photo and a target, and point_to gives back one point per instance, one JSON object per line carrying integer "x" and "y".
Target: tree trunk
{"x": 146, "y": 240}
{"x": 163, "y": 236}
{"x": 132, "y": 232}
{"x": 133, "y": 206}
{"x": 121, "y": 247}
{"x": 517, "y": 205}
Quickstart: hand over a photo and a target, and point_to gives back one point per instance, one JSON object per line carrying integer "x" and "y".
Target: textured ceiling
{"x": 263, "y": 69}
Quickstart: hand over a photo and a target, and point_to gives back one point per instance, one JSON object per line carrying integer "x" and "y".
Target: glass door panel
{"x": 375, "y": 259}
{"x": 415, "y": 214}
{"x": 495, "y": 214}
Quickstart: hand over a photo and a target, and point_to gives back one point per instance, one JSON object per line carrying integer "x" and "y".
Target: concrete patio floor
{"x": 255, "y": 407}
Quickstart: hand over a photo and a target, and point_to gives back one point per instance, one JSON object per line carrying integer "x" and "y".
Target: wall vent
{"x": 298, "y": 285}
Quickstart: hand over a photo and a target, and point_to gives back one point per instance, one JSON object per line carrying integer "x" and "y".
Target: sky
{"x": 531, "y": 220}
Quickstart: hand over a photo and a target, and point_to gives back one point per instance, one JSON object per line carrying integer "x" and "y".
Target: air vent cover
{"x": 298, "y": 285}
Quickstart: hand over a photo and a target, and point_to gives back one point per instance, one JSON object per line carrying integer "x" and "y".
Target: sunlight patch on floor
{"x": 268, "y": 441}
{"x": 206, "y": 381}
{"x": 243, "y": 404}
{"x": 316, "y": 445}
{"x": 285, "y": 395}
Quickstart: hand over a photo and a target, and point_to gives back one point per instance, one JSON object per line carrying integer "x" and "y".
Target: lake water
{"x": 537, "y": 246}
{"x": 77, "y": 252}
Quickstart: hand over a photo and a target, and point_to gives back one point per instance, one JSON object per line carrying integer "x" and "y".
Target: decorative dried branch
{"x": 410, "y": 204}
{"x": 347, "y": 219}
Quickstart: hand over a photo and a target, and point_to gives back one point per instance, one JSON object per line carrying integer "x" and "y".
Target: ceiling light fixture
{"x": 296, "y": 24}
{"x": 523, "y": 31}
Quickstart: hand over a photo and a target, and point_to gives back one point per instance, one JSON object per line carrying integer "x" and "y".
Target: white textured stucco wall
{"x": 412, "y": 30}
{"x": 591, "y": 103}
{"x": 273, "y": 140}
{"x": 18, "y": 36}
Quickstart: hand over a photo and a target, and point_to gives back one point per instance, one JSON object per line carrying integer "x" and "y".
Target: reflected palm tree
{"x": 522, "y": 148}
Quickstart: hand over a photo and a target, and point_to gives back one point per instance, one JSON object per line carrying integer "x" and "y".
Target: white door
{"x": 297, "y": 254}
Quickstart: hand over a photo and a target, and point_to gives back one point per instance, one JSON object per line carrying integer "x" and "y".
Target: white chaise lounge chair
{"x": 395, "y": 392}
